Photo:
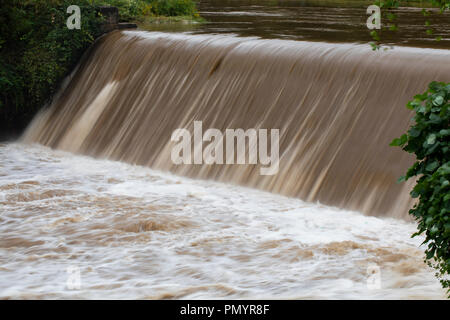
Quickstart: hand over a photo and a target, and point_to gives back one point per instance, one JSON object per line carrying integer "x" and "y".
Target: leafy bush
{"x": 37, "y": 51}
{"x": 429, "y": 140}
{"x": 128, "y": 9}
{"x": 173, "y": 7}
{"x": 132, "y": 10}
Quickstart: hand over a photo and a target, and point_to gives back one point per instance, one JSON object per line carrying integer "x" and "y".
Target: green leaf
{"x": 375, "y": 35}
{"x": 414, "y": 132}
{"x": 433, "y": 230}
{"x": 421, "y": 109}
{"x": 447, "y": 227}
{"x": 432, "y": 166}
{"x": 393, "y": 27}
{"x": 434, "y": 118}
{"x": 431, "y": 139}
{"x": 414, "y": 194}
{"x": 399, "y": 141}
{"x": 438, "y": 100}
{"x": 421, "y": 97}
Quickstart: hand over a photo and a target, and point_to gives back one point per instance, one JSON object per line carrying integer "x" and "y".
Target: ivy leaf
{"x": 432, "y": 166}
{"x": 399, "y": 141}
{"x": 447, "y": 227}
{"x": 433, "y": 230}
{"x": 430, "y": 254}
{"x": 414, "y": 132}
{"x": 375, "y": 35}
{"x": 434, "y": 118}
{"x": 438, "y": 100}
{"x": 431, "y": 139}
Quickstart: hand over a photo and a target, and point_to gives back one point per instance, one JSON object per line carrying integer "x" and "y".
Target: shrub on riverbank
{"x": 429, "y": 140}
{"x": 141, "y": 10}
{"x": 37, "y": 50}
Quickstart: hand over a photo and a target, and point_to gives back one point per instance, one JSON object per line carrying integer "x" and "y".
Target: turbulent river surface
{"x": 133, "y": 232}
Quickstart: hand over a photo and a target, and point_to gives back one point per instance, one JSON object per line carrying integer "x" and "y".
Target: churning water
{"x": 133, "y": 232}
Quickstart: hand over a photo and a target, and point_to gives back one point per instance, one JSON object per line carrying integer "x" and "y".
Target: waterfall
{"x": 337, "y": 107}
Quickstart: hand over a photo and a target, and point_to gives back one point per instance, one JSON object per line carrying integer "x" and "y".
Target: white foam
{"x": 138, "y": 233}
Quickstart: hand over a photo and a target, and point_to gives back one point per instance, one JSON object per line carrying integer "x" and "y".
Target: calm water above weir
{"x": 315, "y": 21}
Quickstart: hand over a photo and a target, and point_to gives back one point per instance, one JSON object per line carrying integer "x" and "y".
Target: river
{"x": 91, "y": 205}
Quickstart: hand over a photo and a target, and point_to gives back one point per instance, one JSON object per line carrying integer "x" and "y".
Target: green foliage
{"x": 139, "y": 10}
{"x": 429, "y": 140}
{"x": 128, "y": 9}
{"x": 37, "y": 51}
{"x": 174, "y": 7}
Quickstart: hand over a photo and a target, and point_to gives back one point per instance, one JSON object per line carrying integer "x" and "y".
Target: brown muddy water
{"x": 91, "y": 205}
{"x": 132, "y": 232}
{"x": 329, "y": 21}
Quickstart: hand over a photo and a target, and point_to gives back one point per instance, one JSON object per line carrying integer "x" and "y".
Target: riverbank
{"x": 37, "y": 50}
{"x": 143, "y": 12}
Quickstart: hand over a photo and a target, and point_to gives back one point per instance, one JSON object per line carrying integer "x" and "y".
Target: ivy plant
{"x": 429, "y": 139}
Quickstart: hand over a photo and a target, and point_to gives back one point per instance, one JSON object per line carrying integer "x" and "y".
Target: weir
{"x": 337, "y": 107}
